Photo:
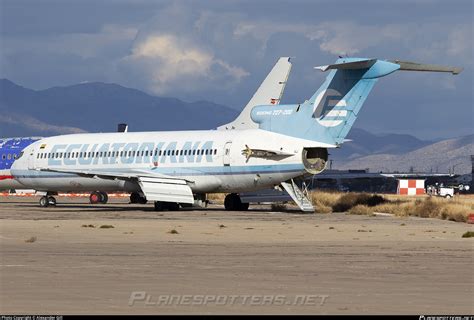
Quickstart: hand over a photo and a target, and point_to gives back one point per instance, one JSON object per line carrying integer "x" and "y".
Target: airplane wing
{"x": 269, "y": 92}
{"x": 155, "y": 186}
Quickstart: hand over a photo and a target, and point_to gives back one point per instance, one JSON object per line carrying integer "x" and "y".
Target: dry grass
{"x": 107, "y": 226}
{"x": 173, "y": 231}
{"x": 439, "y": 208}
{"x": 361, "y": 210}
{"x": 324, "y": 201}
{"x": 457, "y": 209}
{"x": 216, "y": 197}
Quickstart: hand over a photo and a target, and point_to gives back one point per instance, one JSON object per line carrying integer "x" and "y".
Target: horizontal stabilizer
{"x": 404, "y": 65}
{"x": 413, "y": 66}
{"x": 361, "y": 64}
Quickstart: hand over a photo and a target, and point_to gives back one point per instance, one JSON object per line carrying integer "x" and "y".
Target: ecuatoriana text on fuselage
{"x": 128, "y": 153}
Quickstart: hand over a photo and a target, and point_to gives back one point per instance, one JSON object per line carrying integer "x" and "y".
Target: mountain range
{"x": 99, "y": 107}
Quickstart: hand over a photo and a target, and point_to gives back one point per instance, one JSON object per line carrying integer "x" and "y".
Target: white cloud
{"x": 170, "y": 61}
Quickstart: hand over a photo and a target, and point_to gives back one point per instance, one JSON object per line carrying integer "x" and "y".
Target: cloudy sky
{"x": 221, "y": 50}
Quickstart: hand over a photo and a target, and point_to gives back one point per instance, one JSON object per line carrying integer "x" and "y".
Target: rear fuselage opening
{"x": 315, "y": 159}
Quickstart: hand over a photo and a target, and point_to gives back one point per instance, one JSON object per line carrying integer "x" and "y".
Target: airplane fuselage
{"x": 210, "y": 161}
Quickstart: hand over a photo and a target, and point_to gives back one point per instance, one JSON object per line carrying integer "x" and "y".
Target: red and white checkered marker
{"x": 411, "y": 187}
{"x": 470, "y": 218}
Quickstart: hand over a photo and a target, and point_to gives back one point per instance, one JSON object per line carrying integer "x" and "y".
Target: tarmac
{"x": 119, "y": 258}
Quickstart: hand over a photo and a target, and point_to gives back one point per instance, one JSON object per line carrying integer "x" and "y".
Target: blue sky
{"x": 221, "y": 50}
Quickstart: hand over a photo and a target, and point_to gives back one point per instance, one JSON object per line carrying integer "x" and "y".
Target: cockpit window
{"x": 20, "y": 155}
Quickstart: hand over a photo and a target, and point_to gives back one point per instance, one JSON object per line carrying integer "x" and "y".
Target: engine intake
{"x": 315, "y": 159}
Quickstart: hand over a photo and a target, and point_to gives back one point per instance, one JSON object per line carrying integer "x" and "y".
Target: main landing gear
{"x": 232, "y": 202}
{"x": 98, "y": 197}
{"x": 46, "y": 201}
{"x": 135, "y": 197}
{"x": 170, "y": 206}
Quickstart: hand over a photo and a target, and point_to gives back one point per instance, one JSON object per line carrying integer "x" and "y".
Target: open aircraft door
{"x": 226, "y": 157}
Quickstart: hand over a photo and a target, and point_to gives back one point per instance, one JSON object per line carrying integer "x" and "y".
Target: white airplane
{"x": 267, "y": 146}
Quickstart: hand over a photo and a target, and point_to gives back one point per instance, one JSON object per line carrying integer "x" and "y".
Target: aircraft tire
{"x": 232, "y": 202}
{"x": 95, "y": 197}
{"x": 51, "y": 201}
{"x": 103, "y": 197}
{"x": 173, "y": 206}
{"x": 244, "y": 206}
{"x": 43, "y": 202}
{"x": 159, "y": 206}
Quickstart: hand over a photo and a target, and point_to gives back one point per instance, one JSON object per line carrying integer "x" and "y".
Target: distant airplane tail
{"x": 330, "y": 113}
{"x": 269, "y": 92}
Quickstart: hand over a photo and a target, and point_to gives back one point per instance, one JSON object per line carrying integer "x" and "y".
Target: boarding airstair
{"x": 300, "y": 197}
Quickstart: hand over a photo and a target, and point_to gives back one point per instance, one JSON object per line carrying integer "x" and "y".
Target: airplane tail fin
{"x": 269, "y": 92}
{"x": 331, "y": 112}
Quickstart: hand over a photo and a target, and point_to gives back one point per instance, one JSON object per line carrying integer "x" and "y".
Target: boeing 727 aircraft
{"x": 268, "y": 146}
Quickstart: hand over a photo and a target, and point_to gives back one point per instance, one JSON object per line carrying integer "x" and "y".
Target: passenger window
{"x": 3, "y": 157}
{"x": 215, "y": 151}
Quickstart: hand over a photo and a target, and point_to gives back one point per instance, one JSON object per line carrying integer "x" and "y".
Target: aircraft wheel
{"x": 142, "y": 200}
{"x": 103, "y": 197}
{"x": 159, "y": 206}
{"x": 95, "y": 197}
{"x": 173, "y": 206}
{"x": 52, "y": 201}
{"x": 244, "y": 206}
{"x": 44, "y": 202}
{"x": 134, "y": 197}
{"x": 232, "y": 202}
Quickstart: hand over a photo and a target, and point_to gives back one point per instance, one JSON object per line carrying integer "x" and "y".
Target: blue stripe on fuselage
{"x": 177, "y": 171}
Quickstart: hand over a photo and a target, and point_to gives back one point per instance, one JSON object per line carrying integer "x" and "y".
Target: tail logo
{"x": 329, "y": 108}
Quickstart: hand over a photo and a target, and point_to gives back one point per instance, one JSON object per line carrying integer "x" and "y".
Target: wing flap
{"x": 167, "y": 190}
